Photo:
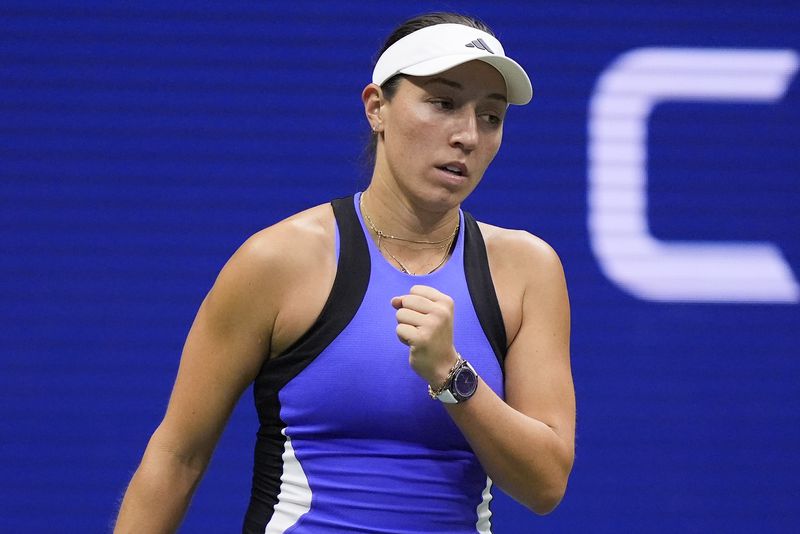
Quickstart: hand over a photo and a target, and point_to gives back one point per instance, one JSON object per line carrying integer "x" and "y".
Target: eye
{"x": 442, "y": 103}
{"x": 492, "y": 118}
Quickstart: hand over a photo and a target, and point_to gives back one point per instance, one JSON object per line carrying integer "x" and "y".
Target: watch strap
{"x": 447, "y": 397}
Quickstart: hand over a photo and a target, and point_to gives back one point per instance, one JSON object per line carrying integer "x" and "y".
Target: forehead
{"x": 474, "y": 77}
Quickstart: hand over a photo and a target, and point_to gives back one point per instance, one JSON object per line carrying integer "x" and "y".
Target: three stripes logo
{"x": 481, "y": 44}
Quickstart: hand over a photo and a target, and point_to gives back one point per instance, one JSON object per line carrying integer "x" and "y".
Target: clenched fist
{"x": 425, "y": 324}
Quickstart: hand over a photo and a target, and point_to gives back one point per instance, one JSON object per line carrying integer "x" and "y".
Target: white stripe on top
{"x": 294, "y": 498}
{"x": 484, "y": 523}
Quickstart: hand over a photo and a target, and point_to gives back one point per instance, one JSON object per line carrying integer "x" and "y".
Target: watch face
{"x": 465, "y": 382}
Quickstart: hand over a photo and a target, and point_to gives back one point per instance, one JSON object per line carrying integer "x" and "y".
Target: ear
{"x": 372, "y": 97}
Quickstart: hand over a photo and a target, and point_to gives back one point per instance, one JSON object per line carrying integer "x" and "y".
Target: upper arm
{"x": 538, "y": 378}
{"x": 223, "y": 352}
{"x": 264, "y": 298}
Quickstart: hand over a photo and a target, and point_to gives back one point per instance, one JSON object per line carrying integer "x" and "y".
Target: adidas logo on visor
{"x": 481, "y": 44}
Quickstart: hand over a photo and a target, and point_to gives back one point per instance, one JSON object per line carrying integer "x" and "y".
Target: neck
{"x": 397, "y": 215}
{"x": 411, "y": 255}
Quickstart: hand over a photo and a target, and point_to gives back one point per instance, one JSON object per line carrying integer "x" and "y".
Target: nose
{"x": 465, "y": 130}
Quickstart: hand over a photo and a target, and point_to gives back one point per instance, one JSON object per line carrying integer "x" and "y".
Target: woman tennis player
{"x": 404, "y": 357}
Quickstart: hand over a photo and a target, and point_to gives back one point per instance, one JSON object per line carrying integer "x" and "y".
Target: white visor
{"x": 440, "y": 47}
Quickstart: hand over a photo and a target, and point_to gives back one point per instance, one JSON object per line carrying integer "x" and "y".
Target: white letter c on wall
{"x": 629, "y": 255}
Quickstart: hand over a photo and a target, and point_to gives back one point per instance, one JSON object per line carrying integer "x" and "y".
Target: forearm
{"x": 159, "y": 493}
{"x": 523, "y": 456}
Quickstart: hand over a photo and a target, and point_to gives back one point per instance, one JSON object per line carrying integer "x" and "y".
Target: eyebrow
{"x": 456, "y": 85}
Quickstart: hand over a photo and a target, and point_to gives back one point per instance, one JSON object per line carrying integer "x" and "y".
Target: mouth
{"x": 454, "y": 168}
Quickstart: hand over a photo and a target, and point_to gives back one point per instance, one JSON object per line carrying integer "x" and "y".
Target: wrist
{"x": 443, "y": 370}
{"x": 459, "y": 386}
{"x": 444, "y": 376}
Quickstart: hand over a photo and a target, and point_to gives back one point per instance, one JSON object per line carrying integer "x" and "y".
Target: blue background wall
{"x": 141, "y": 143}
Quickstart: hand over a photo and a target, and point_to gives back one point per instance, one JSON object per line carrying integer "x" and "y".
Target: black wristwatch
{"x": 460, "y": 385}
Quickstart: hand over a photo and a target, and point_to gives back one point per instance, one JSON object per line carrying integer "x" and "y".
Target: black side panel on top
{"x": 347, "y": 293}
{"x": 481, "y": 288}
{"x": 267, "y": 468}
{"x": 349, "y": 288}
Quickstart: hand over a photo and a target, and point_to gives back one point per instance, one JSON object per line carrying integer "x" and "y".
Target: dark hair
{"x": 408, "y": 27}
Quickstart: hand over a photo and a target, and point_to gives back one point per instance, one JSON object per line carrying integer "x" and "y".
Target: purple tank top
{"x": 349, "y": 440}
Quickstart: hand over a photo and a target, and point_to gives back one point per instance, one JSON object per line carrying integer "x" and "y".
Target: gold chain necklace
{"x": 448, "y": 241}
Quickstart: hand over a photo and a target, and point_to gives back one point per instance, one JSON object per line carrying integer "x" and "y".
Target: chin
{"x": 442, "y": 199}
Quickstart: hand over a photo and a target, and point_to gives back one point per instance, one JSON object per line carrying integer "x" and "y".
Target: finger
{"x": 397, "y": 302}
{"x": 431, "y": 294}
{"x": 428, "y": 292}
{"x": 418, "y": 303}
{"x": 407, "y": 334}
{"x": 410, "y": 317}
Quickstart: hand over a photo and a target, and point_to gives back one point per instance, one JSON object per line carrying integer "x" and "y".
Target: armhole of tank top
{"x": 349, "y": 287}
{"x": 481, "y": 288}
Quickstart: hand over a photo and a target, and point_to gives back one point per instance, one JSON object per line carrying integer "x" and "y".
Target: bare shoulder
{"x": 278, "y": 257}
{"x": 284, "y": 273}
{"x": 292, "y": 242}
{"x": 518, "y": 252}
{"x": 276, "y": 271}
{"x": 525, "y": 269}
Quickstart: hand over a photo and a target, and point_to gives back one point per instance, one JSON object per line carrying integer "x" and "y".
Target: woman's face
{"x": 441, "y": 132}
